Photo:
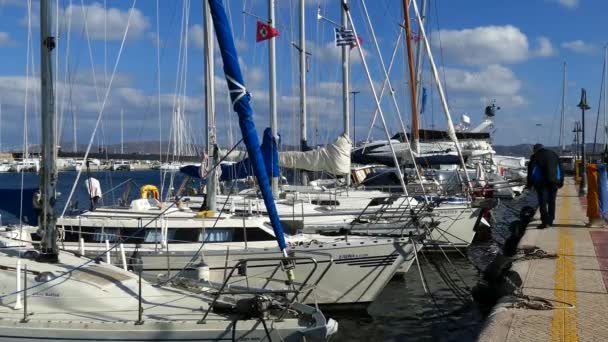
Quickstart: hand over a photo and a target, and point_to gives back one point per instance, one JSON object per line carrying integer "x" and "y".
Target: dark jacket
{"x": 547, "y": 164}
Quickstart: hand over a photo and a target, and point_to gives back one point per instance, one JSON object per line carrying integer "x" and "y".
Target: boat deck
{"x": 100, "y": 297}
{"x": 575, "y": 282}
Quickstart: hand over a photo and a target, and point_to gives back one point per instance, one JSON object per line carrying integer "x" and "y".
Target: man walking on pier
{"x": 545, "y": 176}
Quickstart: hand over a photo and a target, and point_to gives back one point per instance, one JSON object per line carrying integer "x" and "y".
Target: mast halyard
{"x": 410, "y": 62}
{"x": 210, "y": 108}
{"x": 48, "y": 171}
{"x": 272, "y": 70}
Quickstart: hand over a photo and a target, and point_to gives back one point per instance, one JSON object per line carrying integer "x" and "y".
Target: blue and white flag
{"x": 345, "y": 37}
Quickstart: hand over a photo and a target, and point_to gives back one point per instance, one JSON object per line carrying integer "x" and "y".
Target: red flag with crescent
{"x": 265, "y": 31}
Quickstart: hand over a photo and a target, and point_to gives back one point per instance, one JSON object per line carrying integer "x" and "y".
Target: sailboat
{"x": 54, "y": 295}
{"x": 171, "y": 235}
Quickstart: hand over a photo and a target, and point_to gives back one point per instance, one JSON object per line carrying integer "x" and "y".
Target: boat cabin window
{"x": 174, "y": 235}
{"x": 110, "y": 234}
{"x": 217, "y": 235}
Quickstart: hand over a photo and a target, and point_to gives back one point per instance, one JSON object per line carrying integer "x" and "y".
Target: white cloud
{"x": 489, "y": 45}
{"x": 545, "y": 48}
{"x": 579, "y": 46}
{"x": 5, "y": 40}
{"x": 567, "y": 3}
{"x": 197, "y": 35}
{"x": 102, "y": 23}
{"x": 330, "y": 53}
{"x": 491, "y": 82}
{"x": 107, "y": 23}
{"x": 483, "y": 45}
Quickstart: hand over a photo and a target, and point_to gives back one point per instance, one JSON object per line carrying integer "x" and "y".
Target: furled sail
{"x": 240, "y": 101}
{"x": 334, "y": 158}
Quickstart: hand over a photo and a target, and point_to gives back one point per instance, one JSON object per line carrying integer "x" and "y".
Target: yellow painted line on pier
{"x": 564, "y": 326}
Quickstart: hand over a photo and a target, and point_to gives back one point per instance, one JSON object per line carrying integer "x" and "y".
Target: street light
{"x": 354, "y": 94}
{"x": 583, "y": 106}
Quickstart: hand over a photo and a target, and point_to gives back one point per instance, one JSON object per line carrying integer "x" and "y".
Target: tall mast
{"x": 450, "y": 125}
{"x": 48, "y": 172}
{"x": 302, "y": 50}
{"x": 122, "y": 147}
{"x": 210, "y": 106}
{"x": 419, "y": 58}
{"x": 410, "y": 62}
{"x": 562, "y": 141}
{"x": 345, "y": 74}
{"x": 74, "y": 142}
{"x": 605, "y": 74}
{"x": 0, "y": 126}
{"x": 272, "y": 70}
{"x": 345, "y": 78}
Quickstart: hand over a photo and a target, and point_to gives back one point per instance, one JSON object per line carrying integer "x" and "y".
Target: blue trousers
{"x": 546, "y": 203}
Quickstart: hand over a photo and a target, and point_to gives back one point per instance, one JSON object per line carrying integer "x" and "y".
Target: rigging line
{"x": 172, "y": 133}
{"x": 66, "y": 72}
{"x": 57, "y": 42}
{"x": 103, "y": 105}
{"x": 450, "y": 129}
{"x": 86, "y": 29}
{"x": 392, "y": 93}
{"x": 599, "y": 105}
{"x": 160, "y": 127}
{"x": 442, "y": 62}
{"x": 371, "y": 84}
{"x": 390, "y": 67}
{"x": 27, "y": 79}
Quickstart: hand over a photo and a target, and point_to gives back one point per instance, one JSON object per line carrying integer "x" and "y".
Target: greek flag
{"x": 345, "y": 37}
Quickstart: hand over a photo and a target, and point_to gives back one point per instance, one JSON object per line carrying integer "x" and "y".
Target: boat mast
{"x": 272, "y": 70}
{"x": 302, "y": 50}
{"x": 75, "y": 143}
{"x": 450, "y": 129}
{"x": 410, "y": 63}
{"x": 210, "y": 107}
{"x": 122, "y": 147}
{"x": 562, "y": 142}
{"x": 48, "y": 172}
{"x": 605, "y": 74}
{"x": 419, "y": 59}
{"x": 345, "y": 78}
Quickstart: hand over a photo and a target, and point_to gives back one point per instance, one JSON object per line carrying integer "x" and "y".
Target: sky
{"x": 106, "y": 63}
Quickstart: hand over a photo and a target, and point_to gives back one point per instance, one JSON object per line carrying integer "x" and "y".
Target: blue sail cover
{"x": 240, "y": 100}
{"x": 243, "y": 168}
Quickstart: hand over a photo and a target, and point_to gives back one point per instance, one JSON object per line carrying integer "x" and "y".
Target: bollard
{"x": 81, "y": 246}
{"x": 593, "y": 204}
{"x": 123, "y": 258}
{"x": 18, "y": 305}
{"x": 108, "y": 256}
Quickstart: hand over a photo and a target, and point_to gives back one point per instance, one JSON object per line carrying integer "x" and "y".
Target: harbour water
{"x": 403, "y": 312}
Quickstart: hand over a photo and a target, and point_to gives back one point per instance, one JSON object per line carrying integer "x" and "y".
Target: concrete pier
{"x": 574, "y": 283}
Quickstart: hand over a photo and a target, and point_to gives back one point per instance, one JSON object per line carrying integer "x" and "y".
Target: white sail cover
{"x": 334, "y": 158}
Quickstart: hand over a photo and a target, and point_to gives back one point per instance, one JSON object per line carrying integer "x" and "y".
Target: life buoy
{"x": 149, "y": 190}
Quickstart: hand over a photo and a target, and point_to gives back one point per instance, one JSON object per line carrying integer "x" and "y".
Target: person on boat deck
{"x": 545, "y": 176}
{"x": 94, "y": 190}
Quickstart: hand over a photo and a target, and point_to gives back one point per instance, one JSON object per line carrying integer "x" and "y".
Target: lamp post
{"x": 583, "y": 106}
{"x": 354, "y": 94}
